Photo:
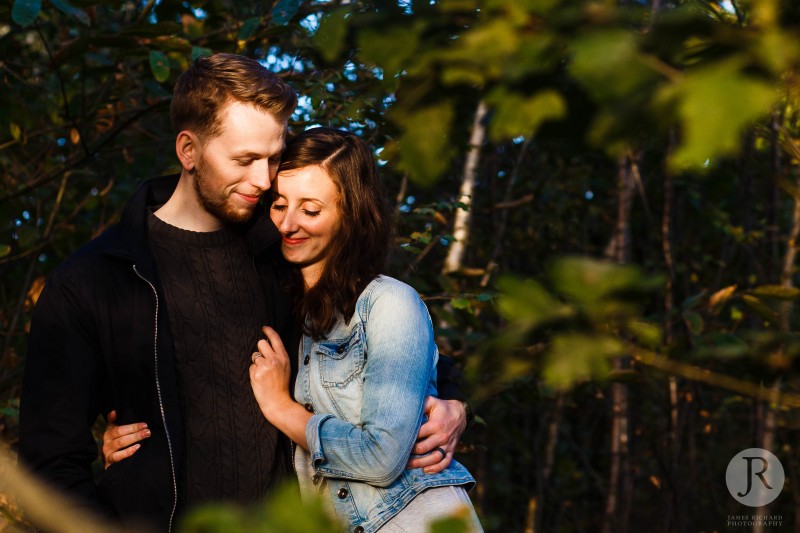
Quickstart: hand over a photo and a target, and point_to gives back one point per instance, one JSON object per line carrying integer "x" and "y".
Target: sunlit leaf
{"x": 760, "y": 308}
{"x": 517, "y": 114}
{"x": 608, "y": 64}
{"x": 646, "y": 333}
{"x": 592, "y": 282}
{"x": 527, "y": 301}
{"x": 425, "y": 148}
{"x": 721, "y": 296}
{"x": 172, "y": 42}
{"x": 65, "y": 7}
{"x": 777, "y": 292}
{"x": 388, "y": 48}
{"x": 15, "y": 130}
{"x": 159, "y": 65}
{"x": 284, "y": 10}
{"x": 574, "y": 358}
{"x": 4, "y": 250}
{"x": 460, "y": 303}
{"x": 24, "y": 12}
{"x": 715, "y": 103}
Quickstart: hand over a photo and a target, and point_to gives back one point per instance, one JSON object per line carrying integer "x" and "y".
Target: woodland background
{"x": 598, "y": 200}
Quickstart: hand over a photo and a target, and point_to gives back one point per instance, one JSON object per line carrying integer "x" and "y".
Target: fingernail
{"x": 147, "y": 433}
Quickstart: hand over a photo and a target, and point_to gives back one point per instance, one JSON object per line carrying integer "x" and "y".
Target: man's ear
{"x": 187, "y": 147}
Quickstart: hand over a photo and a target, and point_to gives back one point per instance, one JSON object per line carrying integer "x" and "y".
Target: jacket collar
{"x": 131, "y": 239}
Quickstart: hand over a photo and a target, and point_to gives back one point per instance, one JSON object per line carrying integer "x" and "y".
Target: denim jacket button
{"x": 315, "y": 479}
{"x": 340, "y": 348}
{"x": 306, "y": 360}
{"x": 359, "y": 529}
{"x": 309, "y": 407}
{"x": 342, "y": 493}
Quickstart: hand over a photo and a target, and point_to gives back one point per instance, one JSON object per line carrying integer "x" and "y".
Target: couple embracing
{"x": 228, "y": 346}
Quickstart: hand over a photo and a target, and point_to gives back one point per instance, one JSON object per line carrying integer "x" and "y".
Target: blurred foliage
{"x": 697, "y": 100}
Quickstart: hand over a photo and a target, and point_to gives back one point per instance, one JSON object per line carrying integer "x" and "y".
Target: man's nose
{"x": 261, "y": 175}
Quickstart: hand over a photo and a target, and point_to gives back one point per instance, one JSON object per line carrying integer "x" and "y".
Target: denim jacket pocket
{"x": 342, "y": 358}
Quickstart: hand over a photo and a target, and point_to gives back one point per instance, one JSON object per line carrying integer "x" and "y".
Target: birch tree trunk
{"x": 455, "y": 254}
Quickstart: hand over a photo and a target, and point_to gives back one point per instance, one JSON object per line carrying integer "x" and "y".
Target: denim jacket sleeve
{"x": 398, "y": 373}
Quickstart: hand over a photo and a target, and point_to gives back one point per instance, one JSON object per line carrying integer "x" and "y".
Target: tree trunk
{"x": 455, "y": 255}
{"x": 619, "y": 471}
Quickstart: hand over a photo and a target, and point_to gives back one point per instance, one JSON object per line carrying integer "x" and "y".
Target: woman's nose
{"x": 288, "y": 224}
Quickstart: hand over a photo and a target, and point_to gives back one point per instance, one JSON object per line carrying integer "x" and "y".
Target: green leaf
{"x": 527, "y": 301}
{"x": 646, "y": 333}
{"x": 388, "y": 48}
{"x": 4, "y": 250}
{"x": 199, "y": 51}
{"x": 777, "y": 292}
{"x": 715, "y": 104}
{"x": 330, "y": 36}
{"x": 574, "y": 358}
{"x": 518, "y": 114}
{"x": 425, "y": 148}
{"x": 65, "y": 7}
{"x": 460, "y": 303}
{"x": 609, "y": 66}
{"x": 594, "y": 283}
{"x": 248, "y": 28}
{"x": 159, "y": 65}
{"x": 284, "y": 10}
{"x": 15, "y": 130}
{"x": 721, "y": 345}
{"x": 760, "y": 308}
{"x": 25, "y": 12}
{"x": 694, "y": 322}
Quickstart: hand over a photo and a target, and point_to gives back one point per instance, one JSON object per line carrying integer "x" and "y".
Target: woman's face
{"x": 305, "y": 210}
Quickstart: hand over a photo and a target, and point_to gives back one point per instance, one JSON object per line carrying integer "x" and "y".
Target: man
{"x": 156, "y": 320}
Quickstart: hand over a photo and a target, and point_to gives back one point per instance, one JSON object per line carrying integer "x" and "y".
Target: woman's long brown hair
{"x": 359, "y": 251}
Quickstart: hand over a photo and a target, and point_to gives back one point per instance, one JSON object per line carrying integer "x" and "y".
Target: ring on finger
{"x": 441, "y": 451}
{"x": 256, "y": 356}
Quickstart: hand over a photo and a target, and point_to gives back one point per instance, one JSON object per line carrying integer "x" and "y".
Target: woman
{"x": 367, "y": 358}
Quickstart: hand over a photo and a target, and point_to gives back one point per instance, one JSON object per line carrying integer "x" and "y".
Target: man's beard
{"x": 218, "y": 206}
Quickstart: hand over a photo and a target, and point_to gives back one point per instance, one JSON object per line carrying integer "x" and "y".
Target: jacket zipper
{"x": 161, "y": 404}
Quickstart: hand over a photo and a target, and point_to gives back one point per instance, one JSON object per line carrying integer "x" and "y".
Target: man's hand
{"x": 447, "y": 420}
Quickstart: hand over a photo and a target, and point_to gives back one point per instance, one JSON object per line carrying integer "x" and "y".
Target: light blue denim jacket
{"x": 366, "y": 383}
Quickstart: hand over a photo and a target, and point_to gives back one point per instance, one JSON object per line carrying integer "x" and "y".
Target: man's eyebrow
{"x": 252, "y": 155}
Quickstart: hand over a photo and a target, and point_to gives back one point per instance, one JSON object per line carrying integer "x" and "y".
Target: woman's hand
{"x": 120, "y": 442}
{"x": 270, "y": 373}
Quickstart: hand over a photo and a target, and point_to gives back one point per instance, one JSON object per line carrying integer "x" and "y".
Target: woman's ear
{"x": 187, "y": 147}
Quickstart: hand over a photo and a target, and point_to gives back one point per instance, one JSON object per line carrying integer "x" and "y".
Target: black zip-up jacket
{"x": 100, "y": 340}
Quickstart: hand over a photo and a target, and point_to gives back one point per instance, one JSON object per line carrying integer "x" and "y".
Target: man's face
{"x": 234, "y": 169}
